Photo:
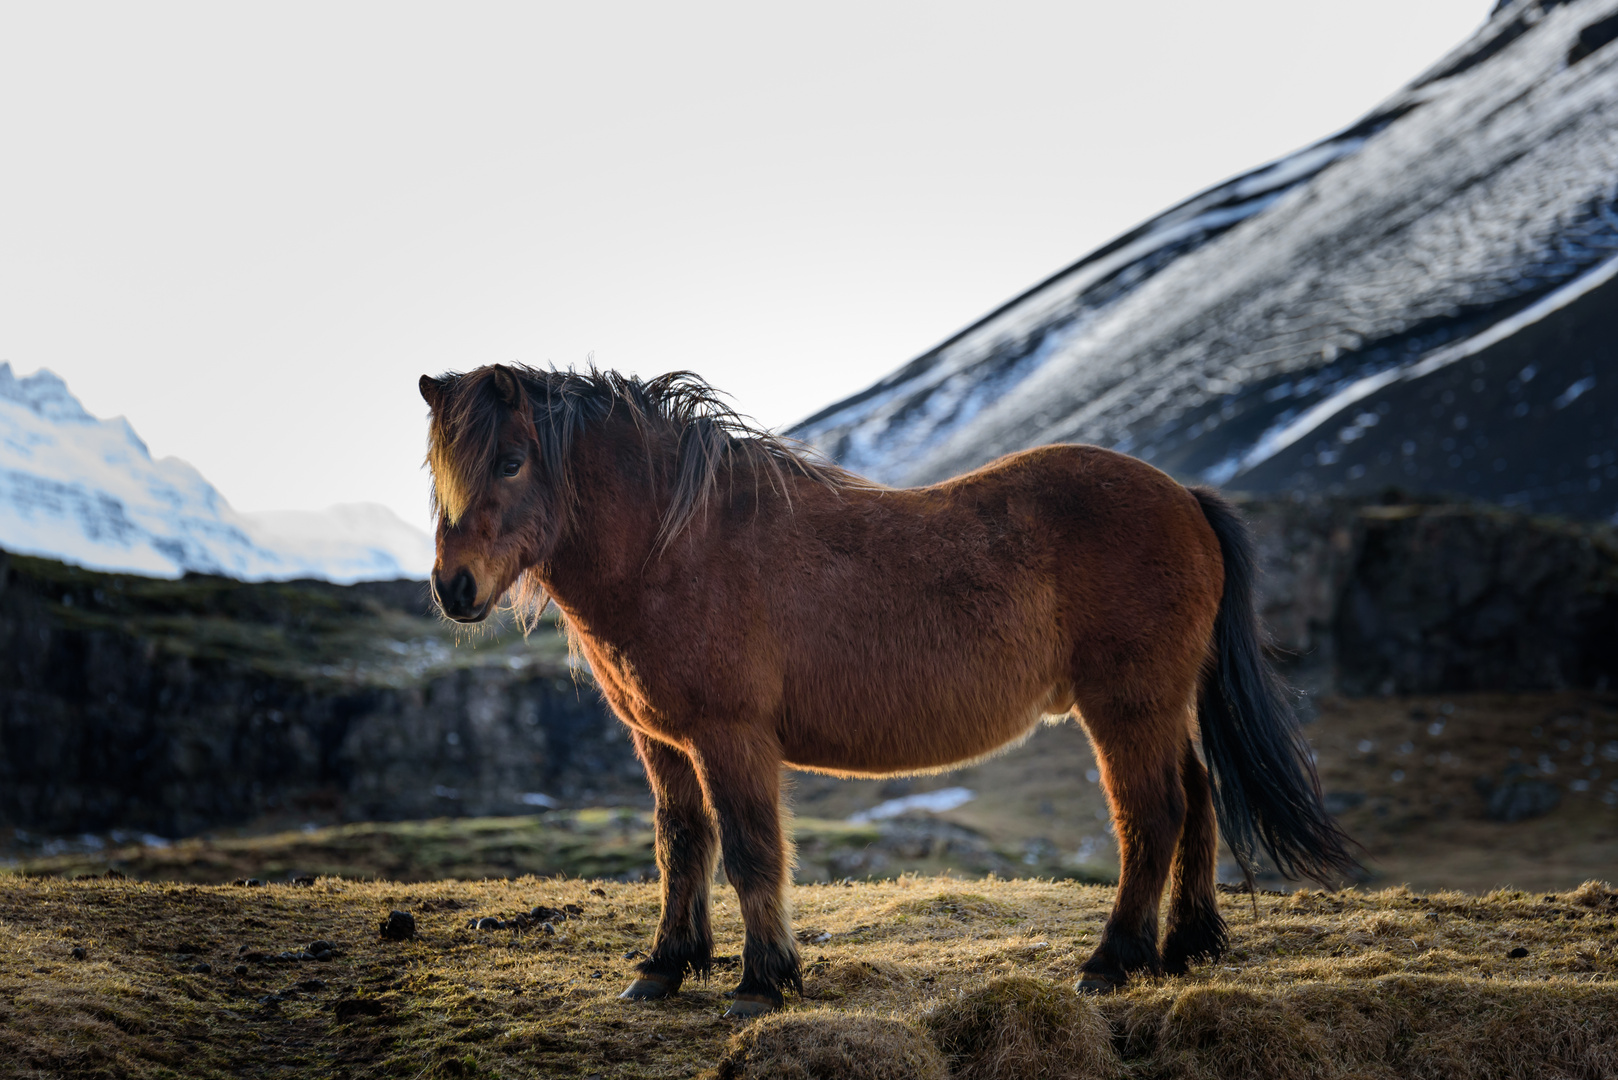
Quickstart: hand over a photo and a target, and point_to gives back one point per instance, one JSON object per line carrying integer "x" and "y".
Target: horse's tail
{"x": 1264, "y": 781}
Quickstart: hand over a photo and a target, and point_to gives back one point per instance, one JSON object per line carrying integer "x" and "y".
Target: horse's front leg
{"x": 741, "y": 774}
{"x": 686, "y": 851}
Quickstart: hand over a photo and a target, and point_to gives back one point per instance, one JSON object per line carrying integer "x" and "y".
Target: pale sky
{"x": 249, "y": 228}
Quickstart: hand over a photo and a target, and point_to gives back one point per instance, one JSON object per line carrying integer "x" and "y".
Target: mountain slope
{"x": 1304, "y": 327}
{"x": 88, "y": 491}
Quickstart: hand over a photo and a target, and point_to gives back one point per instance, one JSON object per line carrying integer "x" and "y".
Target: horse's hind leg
{"x": 686, "y": 851}
{"x": 1138, "y": 751}
{"x": 1196, "y": 929}
{"x": 741, "y": 774}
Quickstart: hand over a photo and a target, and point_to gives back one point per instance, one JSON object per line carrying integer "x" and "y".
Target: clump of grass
{"x": 1398, "y": 1026}
{"x": 1232, "y": 1031}
{"x": 825, "y": 1045}
{"x": 834, "y": 980}
{"x": 1024, "y": 1027}
{"x": 953, "y": 905}
{"x": 1594, "y": 894}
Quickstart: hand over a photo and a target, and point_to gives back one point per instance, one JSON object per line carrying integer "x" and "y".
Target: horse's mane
{"x": 713, "y": 441}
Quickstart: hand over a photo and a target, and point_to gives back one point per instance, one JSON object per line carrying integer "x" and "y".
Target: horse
{"x": 744, "y": 604}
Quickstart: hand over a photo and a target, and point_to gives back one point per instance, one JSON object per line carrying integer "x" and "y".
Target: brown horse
{"x": 743, "y": 606}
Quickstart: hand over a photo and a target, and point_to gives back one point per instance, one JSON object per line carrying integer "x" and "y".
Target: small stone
{"x": 399, "y": 926}
{"x": 202, "y": 969}
{"x": 312, "y": 985}
{"x": 79, "y": 952}
{"x": 241, "y": 969}
{"x": 303, "y": 880}
{"x": 598, "y": 892}
{"x": 489, "y": 923}
{"x": 1518, "y": 953}
{"x": 318, "y": 947}
{"x": 253, "y": 883}
{"x": 547, "y": 928}
{"x": 323, "y": 955}
{"x": 633, "y": 954}
{"x": 286, "y": 956}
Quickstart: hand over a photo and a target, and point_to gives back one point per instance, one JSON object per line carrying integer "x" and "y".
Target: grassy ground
{"x": 614, "y": 843}
{"x": 974, "y": 974}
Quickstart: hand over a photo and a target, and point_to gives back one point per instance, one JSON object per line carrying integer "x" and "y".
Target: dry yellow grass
{"x": 814, "y": 1043}
{"x": 1319, "y": 984}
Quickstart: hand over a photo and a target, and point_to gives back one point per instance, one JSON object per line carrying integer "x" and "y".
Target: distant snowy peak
{"x": 87, "y": 491}
{"x": 45, "y": 394}
{"x": 349, "y": 542}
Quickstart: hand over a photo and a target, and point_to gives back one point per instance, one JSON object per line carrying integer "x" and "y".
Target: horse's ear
{"x": 506, "y": 385}
{"x": 432, "y": 391}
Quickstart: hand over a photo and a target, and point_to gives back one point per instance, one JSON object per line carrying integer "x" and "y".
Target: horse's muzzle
{"x": 458, "y": 597}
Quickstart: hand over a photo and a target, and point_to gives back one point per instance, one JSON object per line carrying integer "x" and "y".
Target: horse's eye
{"x": 509, "y": 468}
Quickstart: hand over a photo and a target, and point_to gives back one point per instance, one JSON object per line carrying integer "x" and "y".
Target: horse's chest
{"x": 659, "y": 692}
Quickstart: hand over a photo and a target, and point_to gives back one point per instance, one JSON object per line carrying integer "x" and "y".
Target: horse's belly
{"x": 878, "y": 742}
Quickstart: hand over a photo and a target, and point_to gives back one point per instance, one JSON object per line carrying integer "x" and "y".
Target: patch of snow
{"x": 933, "y": 802}
{"x": 1282, "y": 436}
{"x": 1574, "y": 392}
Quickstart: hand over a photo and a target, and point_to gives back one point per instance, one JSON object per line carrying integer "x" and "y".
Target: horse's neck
{"x": 621, "y": 499}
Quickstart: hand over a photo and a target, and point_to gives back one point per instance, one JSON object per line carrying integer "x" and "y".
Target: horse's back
{"x": 950, "y": 617}
{"x": 1141, "y": 574}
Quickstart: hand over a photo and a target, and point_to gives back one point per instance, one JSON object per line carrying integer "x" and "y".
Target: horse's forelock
{"x": 463, "y": 438}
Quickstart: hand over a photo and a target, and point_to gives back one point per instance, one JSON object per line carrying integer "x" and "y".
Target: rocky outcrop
{"x": 173, "y": 706}
{"x": 1414, "y": 598}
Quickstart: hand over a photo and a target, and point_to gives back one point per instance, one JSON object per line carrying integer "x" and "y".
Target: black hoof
{"x": 1200, "y": 940}
{"x": 649, "y": 988}
{"x": 747, "y": 1006}
{"x": 1097, "y": 984}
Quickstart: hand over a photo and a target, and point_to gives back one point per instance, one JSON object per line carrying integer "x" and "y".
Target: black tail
{"x": 1265, "y": 786}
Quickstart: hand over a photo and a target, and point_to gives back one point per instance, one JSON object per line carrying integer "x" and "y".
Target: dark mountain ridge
{"x": 1424, "y": 300}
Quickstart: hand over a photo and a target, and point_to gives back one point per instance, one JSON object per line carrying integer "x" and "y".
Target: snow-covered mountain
{"x": 1427, "y": 300}
{"x": 87, "y": 491}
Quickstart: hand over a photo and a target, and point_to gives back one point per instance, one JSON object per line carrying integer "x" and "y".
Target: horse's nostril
{"x": 458, "y": 594}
